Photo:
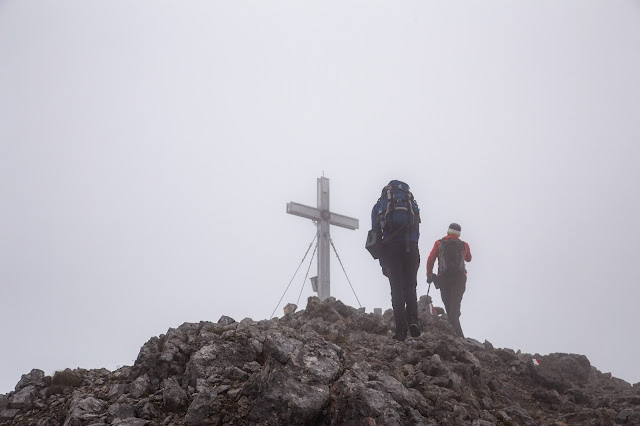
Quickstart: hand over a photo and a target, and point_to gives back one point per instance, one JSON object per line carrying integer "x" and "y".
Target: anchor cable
{"x": 345, "y": 272}
{"x": 294, "y": 275}
{"x": 307, "y": 274}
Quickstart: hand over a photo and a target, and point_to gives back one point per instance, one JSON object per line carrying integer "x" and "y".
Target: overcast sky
{"x": 148, "y": 150}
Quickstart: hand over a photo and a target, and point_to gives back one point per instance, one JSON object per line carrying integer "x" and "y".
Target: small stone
{"x": 225, "y": 320}
{"x": 290, "y": 308}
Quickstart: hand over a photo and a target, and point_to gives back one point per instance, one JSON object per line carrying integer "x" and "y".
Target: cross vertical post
{"x": 324, "y": 270}
{"x": 323, "y": 218}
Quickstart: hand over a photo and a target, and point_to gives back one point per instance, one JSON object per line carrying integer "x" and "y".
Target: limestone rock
{"x": 84, "y": 408}
{"x": 560, "y": 371}
{"x": 290, "y": 308}
{"x": 203, "y": 406}
{"x": 225, "y": 320}
{"x": 329, "y": 364}
{"x": 174, "y": 397}
{"x": 140, "y": 386}
{"x": 121, "y": 411}
{"x": 7, "y": 415}
{"x": 23, "y": 399}
{"x": 34, "y": 378}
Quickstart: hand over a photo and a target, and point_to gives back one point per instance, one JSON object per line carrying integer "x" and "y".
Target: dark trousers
{"x": 451, "y": 290}
{"x": 401, "y": 267}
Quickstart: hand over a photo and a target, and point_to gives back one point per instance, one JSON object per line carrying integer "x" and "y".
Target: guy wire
{"x": 294, "y": 275}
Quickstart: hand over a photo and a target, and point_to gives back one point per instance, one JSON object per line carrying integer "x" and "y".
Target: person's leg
{"x": 445, "y": 295}
{"x": 410, "y": 282}
{"x": 458, "y": 287}
{"x": 393, "y": 264}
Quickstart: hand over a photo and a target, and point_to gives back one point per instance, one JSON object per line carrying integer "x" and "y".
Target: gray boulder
{"x": 225, "y": 320}
{"x": 121, "y": 411}
{"x": 560, "y": 371}
{"x": 203, "y": 406}
{"x": 357, "y": 403}
{"x": 84, "y": 409}
{"x": 116, "y": 391}
{"x": 220, "y": 359}
{"x": 140, "y": 386}
{"x": 8, "y": 414}
{"x": 34, "y": 378}
{"x": 174, "y": 398}
{"x": 24, "y": 398}
{"x": 294, "y": 385}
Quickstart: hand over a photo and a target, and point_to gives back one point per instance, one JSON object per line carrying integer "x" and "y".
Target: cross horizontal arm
{"x": 316, "y": 214}
{"x": 343, "y": 221}
{"x": 303, "y": 211}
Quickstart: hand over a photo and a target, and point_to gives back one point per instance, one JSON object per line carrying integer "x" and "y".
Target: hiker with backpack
{"x": 452, "y": 253}
{"x": 393, "y": 239}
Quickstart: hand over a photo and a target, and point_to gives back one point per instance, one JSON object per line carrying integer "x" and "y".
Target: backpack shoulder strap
{"x": 413, "y": 213}
{"x": 390, "y": 201}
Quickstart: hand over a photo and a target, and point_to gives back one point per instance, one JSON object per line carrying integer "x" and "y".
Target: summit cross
{"x": 323, "y": 217}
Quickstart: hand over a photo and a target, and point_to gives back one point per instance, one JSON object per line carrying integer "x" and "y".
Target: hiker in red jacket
{"x": 452, "y": 253}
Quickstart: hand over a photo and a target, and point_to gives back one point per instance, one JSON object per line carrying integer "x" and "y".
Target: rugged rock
{"x": 35, "y": 378}
{"x": 174, "y": 398}
{"x": 329, "y": 364}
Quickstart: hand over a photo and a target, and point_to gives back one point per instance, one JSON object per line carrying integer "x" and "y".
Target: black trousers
{"x": 452, "y": 289}
{"x": 401, "y": 267}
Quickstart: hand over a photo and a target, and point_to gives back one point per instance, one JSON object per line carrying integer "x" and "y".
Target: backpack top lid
{"x": 398, "y": 184}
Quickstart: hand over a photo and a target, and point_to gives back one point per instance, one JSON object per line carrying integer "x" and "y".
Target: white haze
{"x": 148, "y": 150}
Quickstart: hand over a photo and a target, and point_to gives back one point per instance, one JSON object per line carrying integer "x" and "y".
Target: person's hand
{"x": 430, "y": 279}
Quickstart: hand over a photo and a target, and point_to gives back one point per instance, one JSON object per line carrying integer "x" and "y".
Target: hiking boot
{"x": 415, "y": 330}
{"x": 400, "y": 336}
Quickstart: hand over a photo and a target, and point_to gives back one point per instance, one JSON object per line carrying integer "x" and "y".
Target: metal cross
{"x": 323, "y": 218}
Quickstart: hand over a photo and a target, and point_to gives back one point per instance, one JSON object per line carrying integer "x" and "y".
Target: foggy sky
{"x": 148, "y": 150}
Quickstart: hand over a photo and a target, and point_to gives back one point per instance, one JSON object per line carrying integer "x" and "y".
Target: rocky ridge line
{"x": 329, "y": 364}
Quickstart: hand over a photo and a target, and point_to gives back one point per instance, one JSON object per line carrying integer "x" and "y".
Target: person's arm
{"x": 431, "y": 260}
{"x": 375, "y": 225}
{"x": 467, "y": 252}
{"x": 374, "y": 216}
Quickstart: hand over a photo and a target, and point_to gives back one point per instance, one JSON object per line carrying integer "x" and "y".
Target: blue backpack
{"x": 397, "y": 208}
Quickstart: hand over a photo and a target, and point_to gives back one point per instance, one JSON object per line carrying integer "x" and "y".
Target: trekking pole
{"x": 429, "y": 288}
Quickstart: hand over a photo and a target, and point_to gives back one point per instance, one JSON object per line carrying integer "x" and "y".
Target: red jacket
{"x": 434, "y": 255}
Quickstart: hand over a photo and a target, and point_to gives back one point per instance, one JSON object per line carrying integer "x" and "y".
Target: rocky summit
{"x": 329, "y": 364}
